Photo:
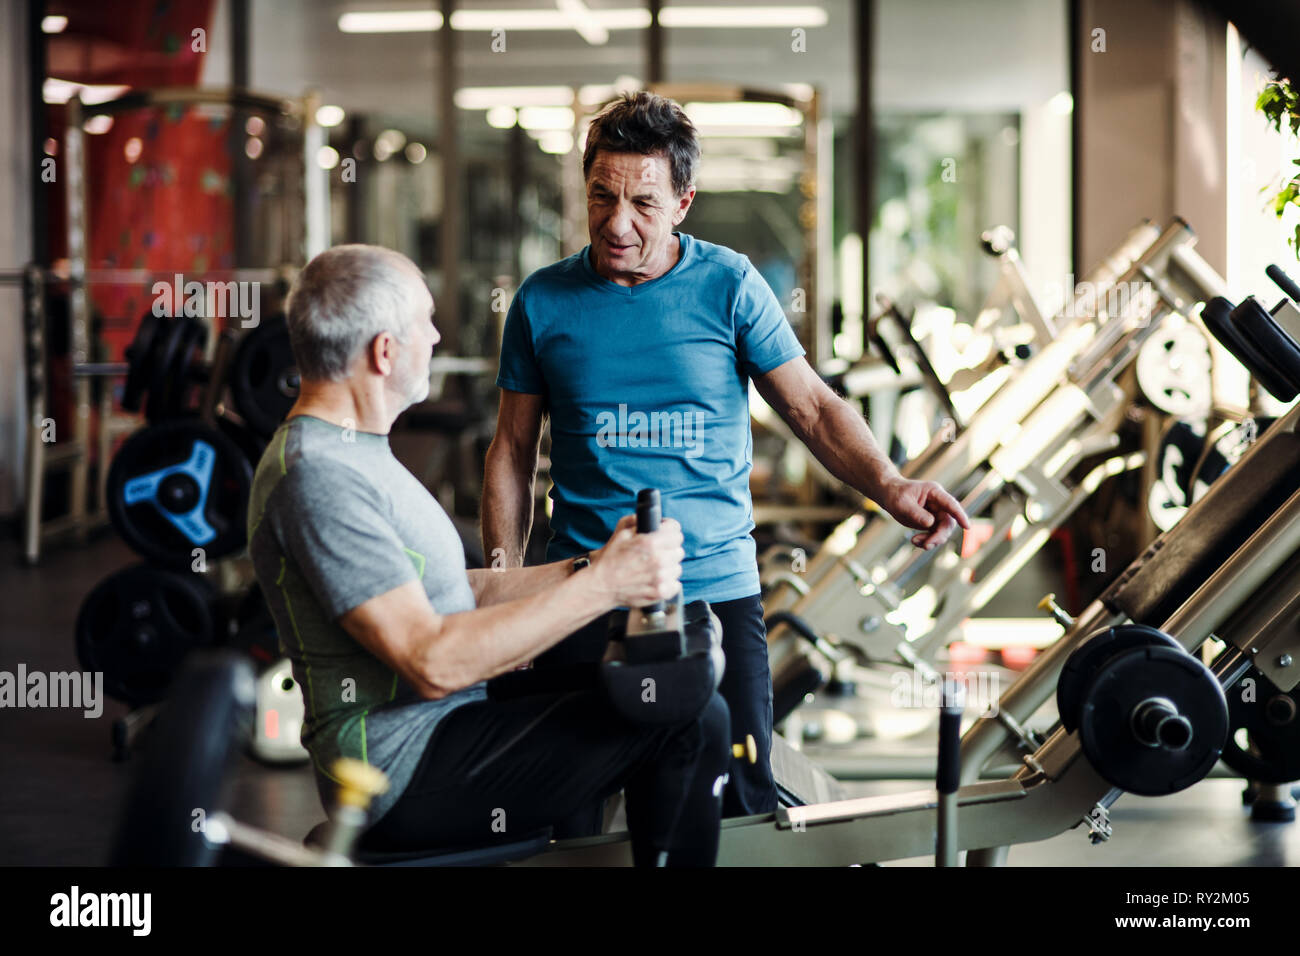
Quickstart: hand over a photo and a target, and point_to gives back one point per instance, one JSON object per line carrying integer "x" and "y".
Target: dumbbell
{"x": 663, "y": 662}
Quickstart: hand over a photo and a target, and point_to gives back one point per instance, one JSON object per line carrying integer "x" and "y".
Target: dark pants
{"x": 496, "y": 770}
{"x": 746, "y": 687}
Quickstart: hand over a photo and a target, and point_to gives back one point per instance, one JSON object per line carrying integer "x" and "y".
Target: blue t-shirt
{"x": 648, "y": 387}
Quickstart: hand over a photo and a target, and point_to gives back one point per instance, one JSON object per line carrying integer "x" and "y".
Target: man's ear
{"x": 382, "y": 353}
{"x": 683, "y": 205}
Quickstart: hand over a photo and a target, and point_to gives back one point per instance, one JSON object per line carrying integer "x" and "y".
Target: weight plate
{"x": 140, "y": 357}
{"x": 174, "y": 370}
{"x": 1177, "y": 485}
{"x": 1191, "y": 720}
{"x": 1173, "y": 371}
{"x": 1270, "y": 752}
{"x": 177, "y": 486}
{"x": 137, "y": 626}
{"x": 264, "y": 376}
{"x": 1084, "y": 663}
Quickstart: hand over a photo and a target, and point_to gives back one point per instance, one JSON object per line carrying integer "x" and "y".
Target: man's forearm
{"x": 841, "y": 440}
{"x": 493, "y": 586}
{"x": 519, "y": 630}
{"x": 507, "y": 509}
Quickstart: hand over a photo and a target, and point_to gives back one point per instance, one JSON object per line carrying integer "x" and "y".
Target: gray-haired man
{"x": 392, "y": 640}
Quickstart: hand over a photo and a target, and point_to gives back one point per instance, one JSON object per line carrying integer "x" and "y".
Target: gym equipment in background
{"x": 872, "y": 596}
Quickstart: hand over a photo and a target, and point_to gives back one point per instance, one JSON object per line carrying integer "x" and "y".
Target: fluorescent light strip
{"x": 485, "y": 97}
{"x": 808, "y": 16}
{"x": 580, "y": 17}
{"x": 390, "y": 21}
{"x": 574, "y": 15}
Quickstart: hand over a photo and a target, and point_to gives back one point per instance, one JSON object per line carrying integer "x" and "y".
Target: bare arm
{"x": 841, "y": 440}
{"x": 508, "y": 477}
{"x": 494, "y": 585}
{"x": 438, "y": 654}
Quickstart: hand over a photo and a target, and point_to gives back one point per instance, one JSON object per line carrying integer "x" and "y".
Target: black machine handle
{"x": 649, "y": 513}
{"x": 950, "y": 710}
{"x": 1284, "y": 282}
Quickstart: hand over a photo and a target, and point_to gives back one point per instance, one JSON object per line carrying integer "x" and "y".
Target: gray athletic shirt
{"x": 333, "y": 521}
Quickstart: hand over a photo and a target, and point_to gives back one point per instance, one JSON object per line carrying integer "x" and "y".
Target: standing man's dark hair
{"x": 646, "y": 123}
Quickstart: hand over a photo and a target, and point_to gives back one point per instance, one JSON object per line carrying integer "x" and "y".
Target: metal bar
{"x": 316, "y": 182}
{"x": 36, "y": 71}
{"x": 196, "y": 96}
{"x": 78, "y": 300}
{"x": 241, "y": 176}
{"x": 864, "y": 145}
{"x": 37, "y": 364}
{"x": 449, "y": 311}
{"x": 654, "y": 44}
{"x": 97, "y": 369}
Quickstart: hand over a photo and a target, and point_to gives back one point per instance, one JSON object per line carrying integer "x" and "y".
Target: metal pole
{"x": 449, "y": 146}
{"x": 78, "y": 308}
{"x": 654, "y": 44}
{"x": 316, "y": 184}
{"x": 34, "y": 320}
{"x": 36, "y": 119}
{"x": 864, "y": 147}
{"x": 240, "y": 172}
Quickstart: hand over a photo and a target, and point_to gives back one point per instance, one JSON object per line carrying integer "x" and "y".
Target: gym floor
{"x": 62, "y": 791}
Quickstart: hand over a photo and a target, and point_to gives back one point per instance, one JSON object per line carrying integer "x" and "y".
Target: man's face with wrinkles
{"x": 631, "y": 213}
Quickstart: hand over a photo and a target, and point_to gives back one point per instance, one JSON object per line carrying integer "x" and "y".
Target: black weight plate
{"x": 1217, "y": 317}
{"x": 1106, "y": 720}
{"x": 264, "y": 376}
{"x": 155, "y": 492}
{"x": 1084, "y": 663}
{"x": 174, "y": 374}
{"x": 1271, "y": 722}
{"x": 140, "y": 357}
{"x": 137, "y": 626}
{"x": 1258, "y": 327}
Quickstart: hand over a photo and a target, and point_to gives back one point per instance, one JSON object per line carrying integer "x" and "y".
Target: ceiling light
{"x": 54, "y": 24}
{"x": 1062, "y": 104}
{"x": 808, "y": 16}
{"x": 416, "y": 153}
{"x": 388, "y": 142}
{"x": 484, "y": 97}
{"x": 98, "y": 125}
{"x": 327, "y": 157}
{"x": 502, "y": 117}
{"x": 546, "y": 117}
{"x": 329, "y": 116}
{"x": 743, "y": 114}
{"x": 390, "y": 21}
{"x": 583, "y": 20}
{"x": 556, "y": 141}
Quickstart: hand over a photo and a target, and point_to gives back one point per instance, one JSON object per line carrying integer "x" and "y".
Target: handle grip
{"x": 1284, "y": 282}
{"x": 648, "y": 515}
{"x": 648, "y": 511}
